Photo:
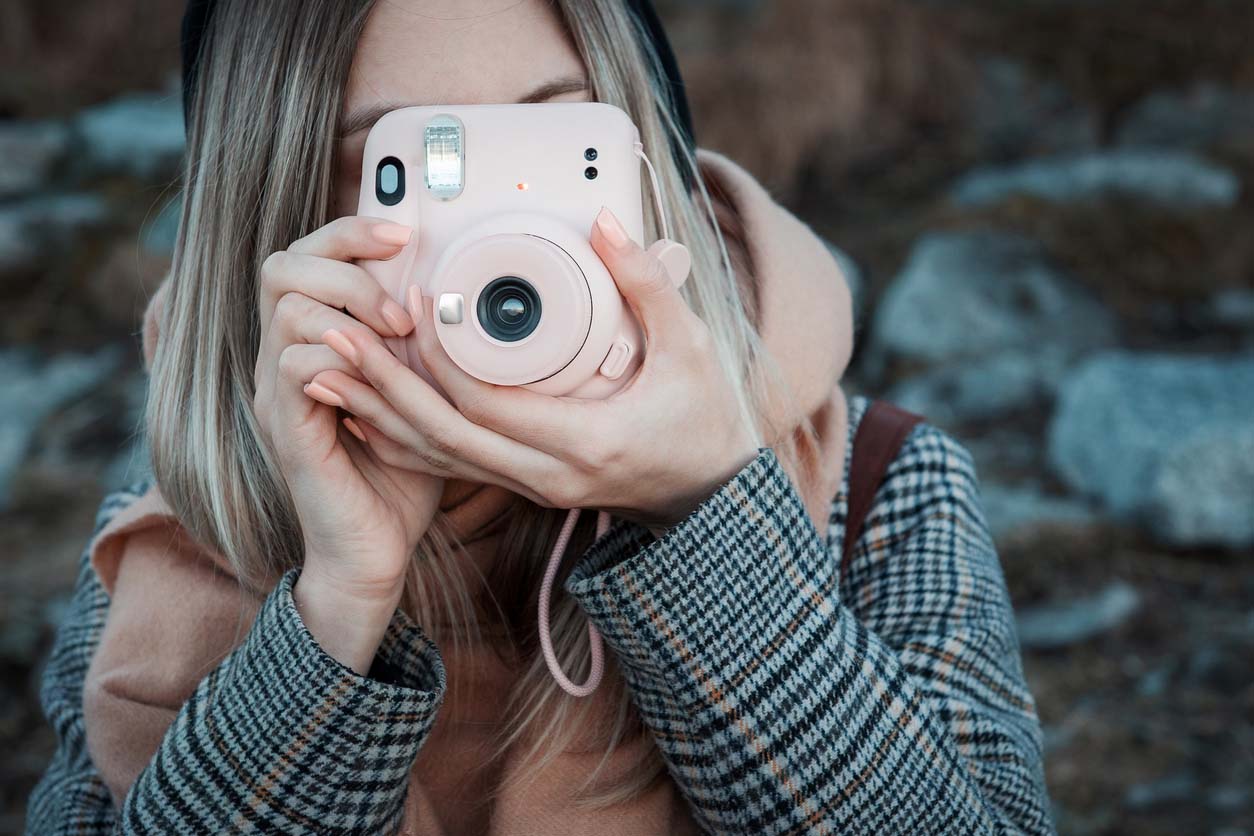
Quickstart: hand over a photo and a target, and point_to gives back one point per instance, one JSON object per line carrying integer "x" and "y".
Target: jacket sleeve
{"x": 278, "y": 736}
{"x": 782, "y": 703}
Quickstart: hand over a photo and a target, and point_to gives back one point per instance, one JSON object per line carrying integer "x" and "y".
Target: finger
{"x": 297, "y": 319}
{"x": 296, "y": 421}
{"x": 436, "y": 420}
{"x": 354, "y": 237}
{"x": 394, "y": 440}
{"x": 642, "y": 279}
{"x": 334, "y": 284}
{"x": 541, "y": 421}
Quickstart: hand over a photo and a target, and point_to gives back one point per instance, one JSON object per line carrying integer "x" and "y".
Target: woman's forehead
{"x": 415, "y": 52}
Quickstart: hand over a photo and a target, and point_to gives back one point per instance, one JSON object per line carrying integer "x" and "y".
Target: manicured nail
{"x": 341, "y": 345}
{"x": 416, "y": 310}
{"x": 321, "y": 393}
{"x": 396, "y": 318}
{"x": 352, "y": 427}
{"x": 397, "y": 235}
{"x": 611, "y": 228}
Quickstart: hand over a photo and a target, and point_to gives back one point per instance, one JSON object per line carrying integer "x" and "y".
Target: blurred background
{"x": 1047, "y": 208}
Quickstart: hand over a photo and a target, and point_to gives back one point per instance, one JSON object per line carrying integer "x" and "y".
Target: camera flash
{"x": 522, "y": 187}
{"x": 443, "y": 144}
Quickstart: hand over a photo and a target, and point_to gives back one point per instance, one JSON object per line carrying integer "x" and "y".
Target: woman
{"x": 324, "y": 619}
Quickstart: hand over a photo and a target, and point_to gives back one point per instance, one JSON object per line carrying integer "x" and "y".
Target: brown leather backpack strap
{"x": 880, "y": 435}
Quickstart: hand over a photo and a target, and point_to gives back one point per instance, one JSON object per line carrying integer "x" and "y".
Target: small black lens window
{"x": 389, "y": 181}
{"x": 590, "y": 172}
{"x": 590, "y": 154}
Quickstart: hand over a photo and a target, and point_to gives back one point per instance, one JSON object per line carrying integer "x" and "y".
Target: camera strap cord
{"x": 596, "y": 650}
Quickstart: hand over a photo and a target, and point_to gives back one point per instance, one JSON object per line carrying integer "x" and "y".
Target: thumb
{"x": 642, "y": 278}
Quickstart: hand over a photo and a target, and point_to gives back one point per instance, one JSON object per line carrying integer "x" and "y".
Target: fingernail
{"x": 352, "y": 427}
{"x": 416, "y": 310}
{"x": 397, "y": 235}
{"x": 341, "y": 345}
{"x": 611, "y": 228}
{"x": 321, "y": 393}
{"x": 396, "y": 318}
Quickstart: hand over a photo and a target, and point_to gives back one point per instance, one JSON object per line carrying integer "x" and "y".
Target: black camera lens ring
{"x": 503, "y": 295}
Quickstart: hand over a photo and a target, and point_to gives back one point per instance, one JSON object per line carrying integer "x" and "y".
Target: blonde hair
{"x": 258, "y": 177}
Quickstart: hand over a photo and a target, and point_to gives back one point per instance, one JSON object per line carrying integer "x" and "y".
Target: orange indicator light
{"x": 522, "y": 187}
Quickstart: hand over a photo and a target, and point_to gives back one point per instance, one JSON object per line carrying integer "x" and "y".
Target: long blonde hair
{"x": 259, "y": 176}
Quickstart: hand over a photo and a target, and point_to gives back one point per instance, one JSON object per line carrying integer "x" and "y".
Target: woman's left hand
{"x": 651, "y": 452}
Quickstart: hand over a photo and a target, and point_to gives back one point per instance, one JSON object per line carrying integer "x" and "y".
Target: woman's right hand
{"x": 360, "y": 517}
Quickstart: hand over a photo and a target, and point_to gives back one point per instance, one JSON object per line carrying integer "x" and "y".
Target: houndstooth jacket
{"x": 782, "y": 701}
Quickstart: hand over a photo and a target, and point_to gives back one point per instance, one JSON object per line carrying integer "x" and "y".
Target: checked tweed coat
{"x": 783, "y": 699}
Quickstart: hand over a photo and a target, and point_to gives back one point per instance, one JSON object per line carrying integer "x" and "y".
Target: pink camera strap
{"x": 546, "y": 591}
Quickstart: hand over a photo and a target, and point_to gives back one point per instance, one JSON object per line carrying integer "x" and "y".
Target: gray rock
{"x": 1004, "y": 452}
{"x": 1232, "y": 308}
{"x": 1203, "y": 490}
{"x": 160, "y": 233}
{"x": 1180, "y": 788}
{"x": 1022, "y": 510}
{"x": 31, "y": 390}
{"x": 983, "y": 389}
{"x": 1201, "y": 116}
{"x": 1128, "y": 424}
{"x": 135, "y": 461}
{"x": 30, "y": 153}
{"x": 30, "y": 228}
{"x": 1060, "y": 624}
{"x": 976, "y": 295}
{"x": 1175, "y": 179}
{"x": 1013, "y": 110}
{"x": 140, "y": 134}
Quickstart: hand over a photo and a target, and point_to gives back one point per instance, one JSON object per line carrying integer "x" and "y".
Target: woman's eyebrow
{"x": 365, "y": 117}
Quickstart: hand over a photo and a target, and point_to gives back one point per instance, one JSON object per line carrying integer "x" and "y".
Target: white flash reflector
{"x": 443, "y": 144}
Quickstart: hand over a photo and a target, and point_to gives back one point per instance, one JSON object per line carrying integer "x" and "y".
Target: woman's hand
{"x": 360, "y": 517}
{"x": 651, "y": 452}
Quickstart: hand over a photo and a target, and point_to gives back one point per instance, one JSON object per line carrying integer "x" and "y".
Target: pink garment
{"x": 176, "y": 609}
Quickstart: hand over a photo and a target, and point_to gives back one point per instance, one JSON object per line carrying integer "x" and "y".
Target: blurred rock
{"x": 1202, "y": 116}
{"x": 1203, "y": 490}
{"x": 29, "y": 155}
{"x": 33, "y": 389}
{"x": 1127, "y": 424}
{"x": 1022, "y": 510}
{"x": 976, "y": 296}
{"x": 979, "y": 390}
{"x": 1174, "y": 789}
{"x": 140, "y": 134}
{"x": 1232, "y": 308}
{"x": 1014, "y": 111}
{"x": 134, "y": 462}
{"x": 160, "y": 232}
{"x": 31, "y": 227}
{"x": 1055, "y": 625}
{"x": 1173, "y": 179}
{"x": 1004, "y": 452}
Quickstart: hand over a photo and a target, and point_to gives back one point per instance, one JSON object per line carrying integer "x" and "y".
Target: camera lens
{"x": 590, "y": 172}
{"x": 509, "y": 308}
{"x": 590, "y": 154}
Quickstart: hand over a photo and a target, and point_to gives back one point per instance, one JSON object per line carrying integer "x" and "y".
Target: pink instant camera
{"x": 502, "y": 200}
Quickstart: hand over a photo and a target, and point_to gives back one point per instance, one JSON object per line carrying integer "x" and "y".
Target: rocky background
{"x": 1046, "y": 205}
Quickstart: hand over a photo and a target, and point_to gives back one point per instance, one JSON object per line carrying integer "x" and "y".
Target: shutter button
{"x": 616, "y": 360}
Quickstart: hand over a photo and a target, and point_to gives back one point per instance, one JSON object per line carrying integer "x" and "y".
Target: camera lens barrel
{"x": 509, "y": 308}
